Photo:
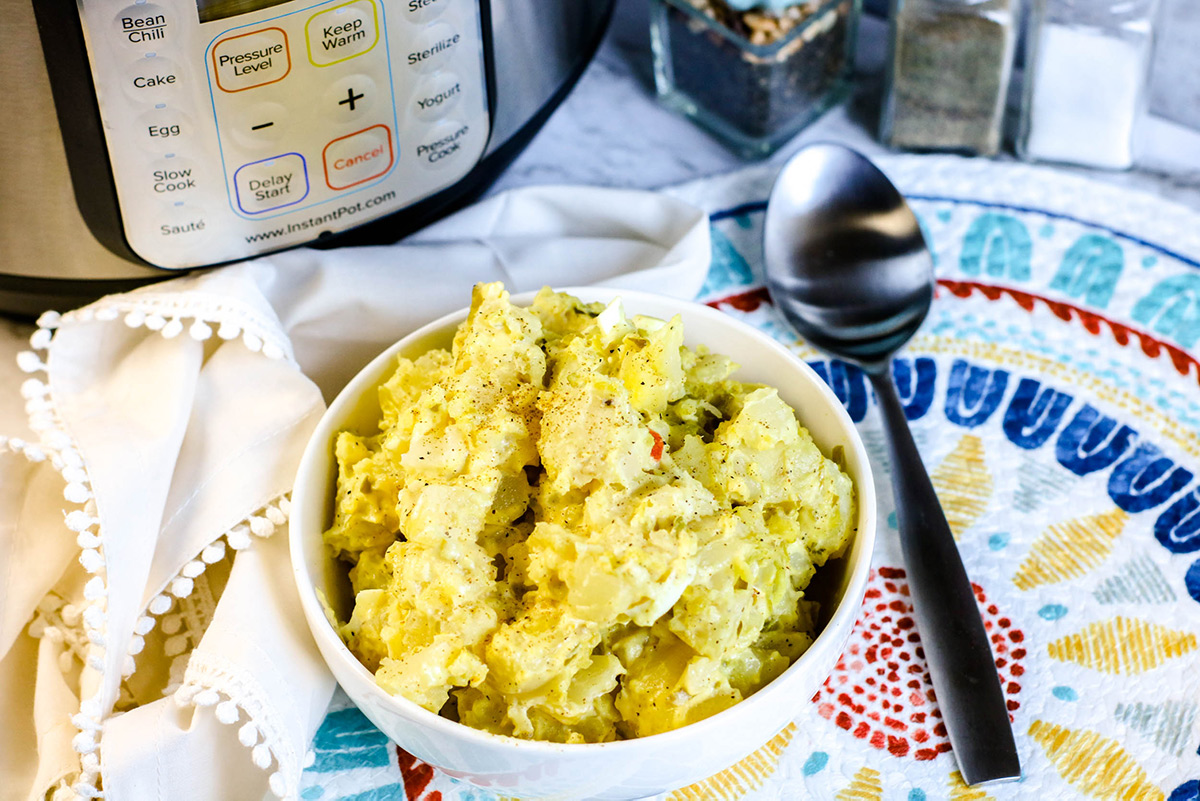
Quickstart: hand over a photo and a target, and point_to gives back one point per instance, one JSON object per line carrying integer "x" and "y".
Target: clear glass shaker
{"x": 1086, "y": 78}
{"x": 948, "y": 75}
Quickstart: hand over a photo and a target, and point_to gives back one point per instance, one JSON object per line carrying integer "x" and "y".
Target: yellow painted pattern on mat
{"x": 1122, "y": 645}
{"x": 963, "y": 484}
{"x": 1071, "y": 549}
{"x": 1094, "y": 764}
{"x": 959, "y": 791}
{"x": 744, "y": 777}
{"x": 865, "y": 786}
{"x": 1185, "y": 438}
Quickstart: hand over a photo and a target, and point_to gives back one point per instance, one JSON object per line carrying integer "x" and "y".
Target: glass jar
{"x": 752, "y": 79}
{"x": 1085, "y": 80}
{"x": 1175, "y": 76}
{"x": 948, "y": 75}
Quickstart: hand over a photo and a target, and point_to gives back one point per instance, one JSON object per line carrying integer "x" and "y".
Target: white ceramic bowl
{"x": 620, "y": 770}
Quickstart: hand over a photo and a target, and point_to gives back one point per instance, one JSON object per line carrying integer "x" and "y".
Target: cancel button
{"x": 358, "y": 157}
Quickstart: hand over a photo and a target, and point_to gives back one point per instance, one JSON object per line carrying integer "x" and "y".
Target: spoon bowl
{"x": 847, "y": 265}
{"x": 846, "y": 260}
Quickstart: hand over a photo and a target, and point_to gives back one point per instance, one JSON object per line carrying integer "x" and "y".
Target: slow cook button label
{"x": 271, "y": 183}
{"x": 358, "y": 157}
{"x": 251, "y": 59}
{"x": 173, "y": 178}
{"x": 444, "y": 145}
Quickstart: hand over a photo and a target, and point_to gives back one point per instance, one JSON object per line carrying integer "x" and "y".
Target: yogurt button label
{"x": 435, "y": 96}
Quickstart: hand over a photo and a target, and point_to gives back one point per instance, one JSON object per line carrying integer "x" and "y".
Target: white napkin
{"x": 139, "y": 659}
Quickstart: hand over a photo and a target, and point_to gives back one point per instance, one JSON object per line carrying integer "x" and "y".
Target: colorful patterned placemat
{"x": 1055, "y": 396}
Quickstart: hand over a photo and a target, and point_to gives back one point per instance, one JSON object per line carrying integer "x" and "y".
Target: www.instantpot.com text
{"x": 324, "y": 219}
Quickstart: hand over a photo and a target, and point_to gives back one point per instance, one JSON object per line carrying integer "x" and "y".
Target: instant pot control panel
{"x": 237, "y": 127}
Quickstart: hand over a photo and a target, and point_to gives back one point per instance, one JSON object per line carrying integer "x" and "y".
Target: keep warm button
{"x": 271, "y": 183}
{"x": 358, "y": 157}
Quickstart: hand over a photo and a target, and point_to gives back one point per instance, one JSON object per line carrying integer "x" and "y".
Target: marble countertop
{"x": 611, "y": 132}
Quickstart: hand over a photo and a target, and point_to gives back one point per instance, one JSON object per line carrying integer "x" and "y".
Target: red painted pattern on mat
{"x": 880, "y": 690}
{"x": 1182, "y": 361}
{"x": 417, "y": 775}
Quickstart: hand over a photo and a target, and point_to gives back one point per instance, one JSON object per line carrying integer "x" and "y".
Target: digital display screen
{"x": 211, "y": 10}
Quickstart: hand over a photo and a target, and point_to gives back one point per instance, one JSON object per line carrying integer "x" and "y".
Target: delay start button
{"x": 271, "y": 183}
{"x": 358, "y": 157}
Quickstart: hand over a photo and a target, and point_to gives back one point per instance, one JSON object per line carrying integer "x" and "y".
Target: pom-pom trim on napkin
{"x": 166, "y": 316}
{"x": 210, "y": 682}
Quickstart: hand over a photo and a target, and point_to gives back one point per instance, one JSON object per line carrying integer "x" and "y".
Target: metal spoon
{"x": 847, "y": 265}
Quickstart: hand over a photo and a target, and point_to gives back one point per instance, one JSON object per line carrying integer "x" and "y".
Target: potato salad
{"x": 571, "y": 527}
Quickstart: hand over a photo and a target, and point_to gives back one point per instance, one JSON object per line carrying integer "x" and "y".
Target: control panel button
{"x": 424, "y": 10}
{"x": 173, "y": 178}
{"x": 252, "y": 59}
{"x": 342, "y": 32}
{"x": 152, "y": 79}
{"x": 161, "y": 129}
{"x": 433, "y": 47}
{"x": 350, "y": 98}
{"x": 183, "y": 225}
{"x": 358, "y": 157}
{"x": 145, "y": 26}
{"x": 443, "y": 147}
{"x": 436, "y": 95}
{"x": 260, "y": 125}
{"x": 271, "y": 183}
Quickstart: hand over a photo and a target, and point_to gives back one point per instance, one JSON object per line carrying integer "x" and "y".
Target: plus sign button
{"x": 350, "y": 98}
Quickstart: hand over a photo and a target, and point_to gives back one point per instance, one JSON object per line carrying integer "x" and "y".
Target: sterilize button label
{"x": 434, "y": 47}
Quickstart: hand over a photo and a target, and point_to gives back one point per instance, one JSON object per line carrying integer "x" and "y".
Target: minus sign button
{"x": 261, "y": 126}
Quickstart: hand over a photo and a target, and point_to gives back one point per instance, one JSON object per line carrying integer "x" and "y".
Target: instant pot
{"x": 147, "y": 137}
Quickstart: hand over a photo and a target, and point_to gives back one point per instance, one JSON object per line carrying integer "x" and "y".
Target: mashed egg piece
{"x": 572, "y": 527}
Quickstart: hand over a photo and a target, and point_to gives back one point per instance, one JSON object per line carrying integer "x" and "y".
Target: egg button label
{"x": 271, "y": 183}
{"x": 358, "y": 157}
{"x": 251, "y": 59}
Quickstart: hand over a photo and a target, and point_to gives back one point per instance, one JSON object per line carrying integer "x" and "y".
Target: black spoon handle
{"x": 952, "y": 634}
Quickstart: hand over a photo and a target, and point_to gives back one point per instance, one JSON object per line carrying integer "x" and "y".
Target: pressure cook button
{"x": 424, "y": 10}
{"x": 433, "y": 47}
{"x": 271, "y": 183}
{"x": 342, "y": 33}
{"x": 161, "y": 129}
{"x": 145, "y": 26}
{"x": 358, "y": 157}
{"x": 436, "y": 95}
{"x": 173, "y": 178}
{"x": 251, "y": 59}
{"x": 152, "y": 79}
{"x": 443, "y": 147}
